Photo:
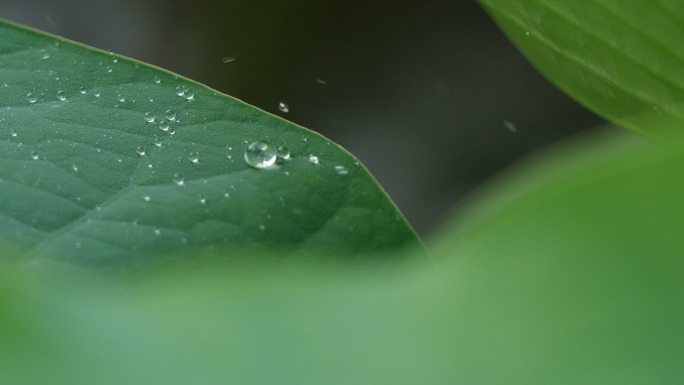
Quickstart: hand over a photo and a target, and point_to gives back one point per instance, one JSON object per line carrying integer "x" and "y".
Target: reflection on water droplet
{"x": 178, "y": 180}
{"x": 61, "y": 95}
{"x": 31, "y": 98}
{"x": 283, "y": 107}
{"x": 34, "y": 155}
{"x": 260, "y": 154}
{"x": 149, "y": 117}
{"x": 140, "y": 151}
{"x": 341, "y": 170}
{"x": 313, "y": 159}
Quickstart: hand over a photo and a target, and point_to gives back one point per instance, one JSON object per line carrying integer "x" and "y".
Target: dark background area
{"x": 418, "y": 92}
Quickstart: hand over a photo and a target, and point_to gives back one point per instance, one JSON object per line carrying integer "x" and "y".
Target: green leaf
{"x": 85, "y": 175}
{"x": 621, "y": 59}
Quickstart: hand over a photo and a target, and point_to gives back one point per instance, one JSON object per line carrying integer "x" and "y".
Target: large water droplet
{"x": 260, "y": 154}
{"x": 283, "y": 107}
{"x": 61, "y": 95}
{"x": 170, "y": 114}
{"x": 181, "y": 90}
{"x": 189, "y": 95}
{"x": 313, "y": 159}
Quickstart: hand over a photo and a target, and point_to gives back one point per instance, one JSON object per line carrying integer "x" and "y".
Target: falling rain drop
{"x": 283, "y": 107}
{"x": 260, "y": 154}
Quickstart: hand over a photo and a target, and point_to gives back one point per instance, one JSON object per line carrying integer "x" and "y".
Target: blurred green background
{"x": 418, "y": 91}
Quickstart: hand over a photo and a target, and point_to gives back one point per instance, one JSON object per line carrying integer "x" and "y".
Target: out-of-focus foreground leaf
{"x": 622, "y": 59}
{"x": 575, "y": 279}
{"x": 109, "y": 161}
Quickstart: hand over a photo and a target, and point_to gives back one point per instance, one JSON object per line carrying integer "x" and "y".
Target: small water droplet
{"x": 226, "y": 195}
{"x": 194, "y": 158}
{"x": 527, "y": 33}
{"x": 115, "y": 60}
{"x": 170, "y": 114}
{"x": 31, "y": 98}
{"x": 97, "y": 93}
{"x": 203, "y": 201}
{"x": 283, "y": 152}
{"x": 189, "y": 95}
{"x": 157, "y": 232}
{"x": 181, "y": 90}
{"x": 61, "y": 95}
{"x": 45, "y": 55}
{"x": 82, "y": 90}
{"x": 341, "y": 170}
{"x": 321, "y": 81}
{"x": 313, "y": 159}
{"x": 34, "y": 155}
{"x": 13, "y": 134}
{"x": 140, "y": 151}
{"x": 149, "y": 117}
{"x": 120, "y": 98}
{"x": 156, "y": 79}
{"x": 262, "y": 227}
{"x": 164, "y": 125}
{"x": 157, "y": 144}
{"x": 178, "y": 180}
{"x": 146, "y": 198}
{"x": 74, "y": 167}
{"x": 228, "y": 59}
{"x": 260, "y": 154}
{"x": 283, "y": 107}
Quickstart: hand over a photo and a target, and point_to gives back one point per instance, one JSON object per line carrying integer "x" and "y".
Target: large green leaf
{"x": 575, "y": 279}
{"x": 621, "y": 58}
{"x": 86, "y": 174}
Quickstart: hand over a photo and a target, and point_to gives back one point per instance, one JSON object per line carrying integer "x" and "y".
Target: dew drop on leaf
{"x": 260, "y": 154}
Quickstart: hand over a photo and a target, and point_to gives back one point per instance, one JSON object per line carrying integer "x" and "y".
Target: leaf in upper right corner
{"x": 621, "y": 59}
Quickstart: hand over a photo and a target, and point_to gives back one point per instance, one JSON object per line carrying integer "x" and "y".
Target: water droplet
{"x": 228, "y": 59}
{"x": 283, "y": 152}
{"x": 178, "y": 180}
{"x": 283, "y": 107}
{"x": 74, "y": 167}
{"x": 61, "y": 95}
{"x": 157, "y": 232}
{"x": 181, "y": 90}
{"x": 157, "y": 144}
{"x": 262, "y": 227}
{"x": 97, "y": 93}
{"x": 194, "y": 158}
{"x": 203, "y": 201}
{"x": 226, "y": 195}
{"x": 120, "y": 98}
{"x": 527, "y": 33}
{"x": 13, "y": 134}
{"x": 260, "y": 154}
{"x": 321, "y": 81}
{"x": 82, "y": 90}
{"x": 115, "y": 60}
{"x": 164, "y": 125}
{"x": 189, "y": 95}
{"x": 45, "y": 55}
{"x": 146, "y": 198}
{"x": 140, "y": 151}
{"x": 156, "y": 79}
{"x": 34, "y": 155}
{"x": 149, "y": 117}
{"x": 31, "y": 98}
{"x": 510, "y": 126}
{"x": 313, "y": 159}
{"x": 170, "y": 114}
{"x": 341, "y": 170}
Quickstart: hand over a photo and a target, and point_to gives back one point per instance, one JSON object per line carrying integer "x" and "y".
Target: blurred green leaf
{"x": 574, "y": 279}
{"x": 109, "y": 161}
{"x": 621, "y": 59}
